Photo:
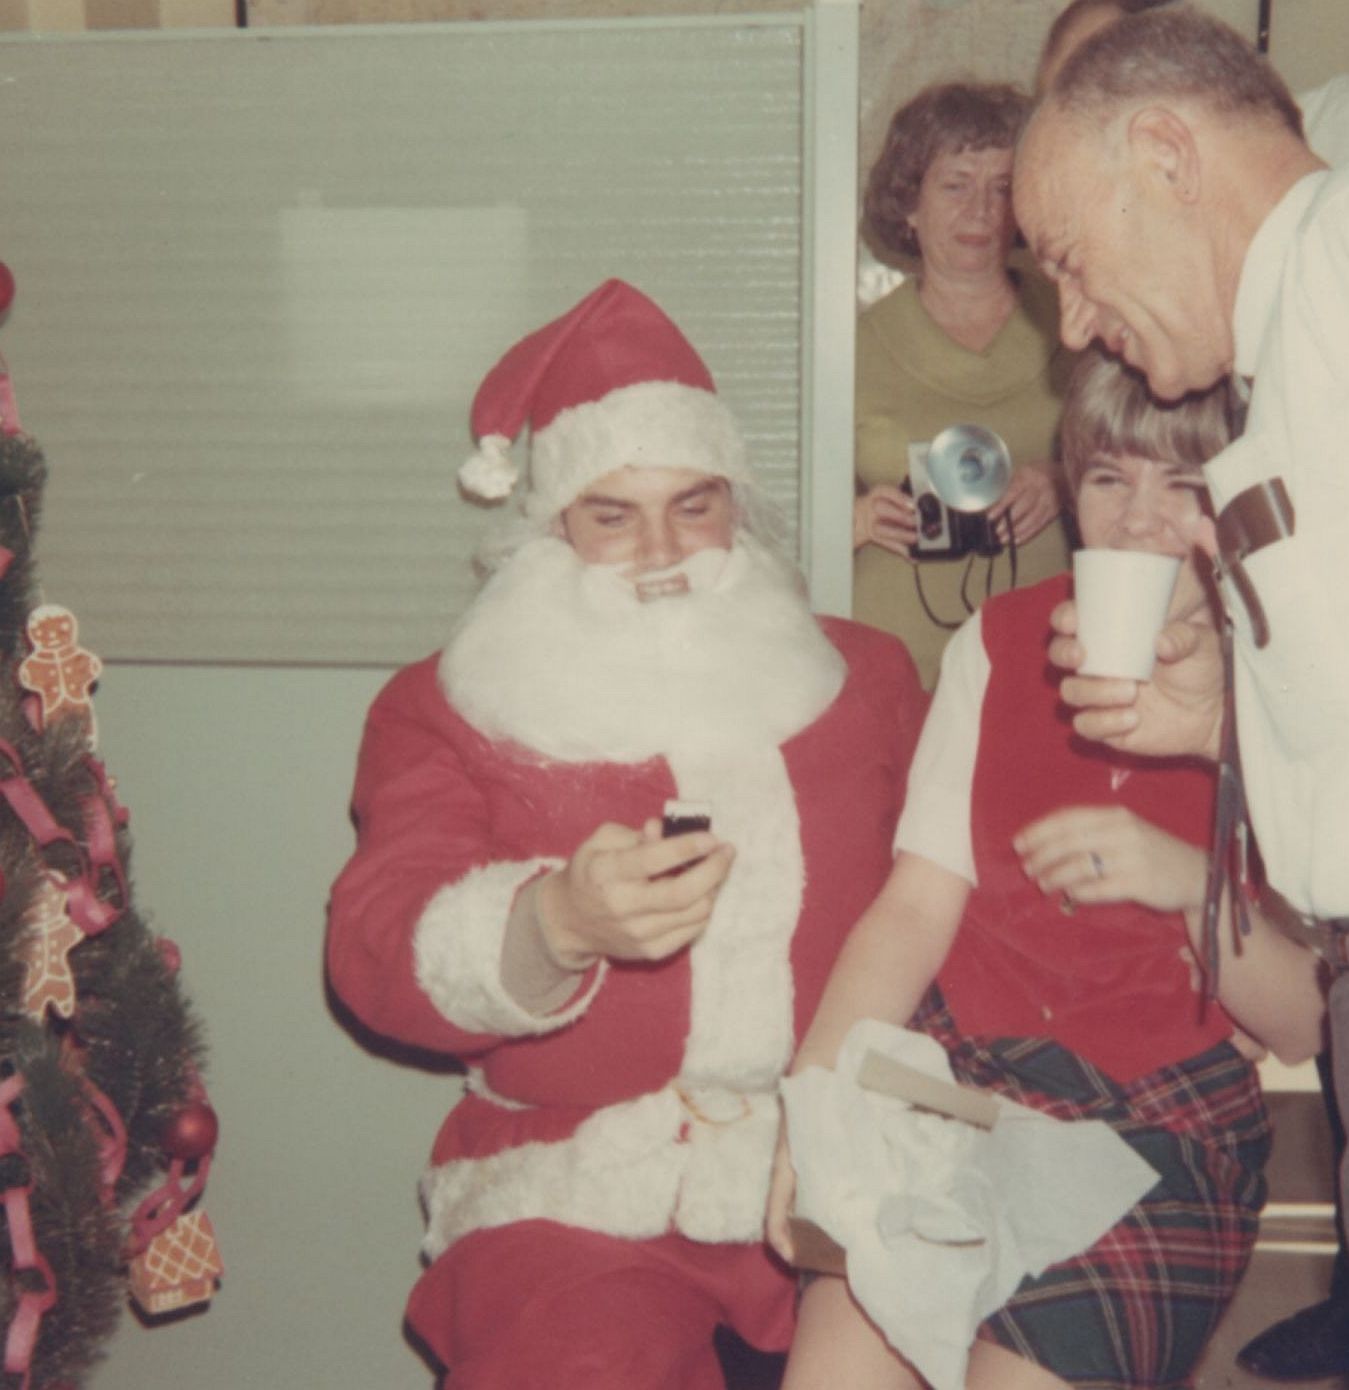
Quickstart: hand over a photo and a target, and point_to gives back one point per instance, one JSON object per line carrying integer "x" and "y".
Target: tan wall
{"x": 1309, "y": 41}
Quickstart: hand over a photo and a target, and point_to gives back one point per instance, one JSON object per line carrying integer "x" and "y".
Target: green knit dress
{"x": 912, "y": 382}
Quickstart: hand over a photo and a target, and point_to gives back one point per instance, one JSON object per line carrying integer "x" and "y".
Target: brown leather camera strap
{"x": 1228, "y": 865}
{"x": 1256, "y": 517}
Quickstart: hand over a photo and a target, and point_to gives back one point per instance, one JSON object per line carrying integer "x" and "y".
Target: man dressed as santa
{"x": 625, "y": 1001}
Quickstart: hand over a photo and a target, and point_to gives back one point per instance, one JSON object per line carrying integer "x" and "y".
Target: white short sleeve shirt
{"x": 936, "y": 818}
{"x": 1291, "y": 327}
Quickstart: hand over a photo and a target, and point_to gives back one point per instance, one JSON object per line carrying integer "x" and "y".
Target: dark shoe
{"x": 1310, "y": 1345}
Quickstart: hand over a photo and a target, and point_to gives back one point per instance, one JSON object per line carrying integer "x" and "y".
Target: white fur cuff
{"x": 457, "y": 947}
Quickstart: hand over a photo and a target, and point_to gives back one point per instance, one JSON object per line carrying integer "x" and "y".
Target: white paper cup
{"x": 1122, "y": 601}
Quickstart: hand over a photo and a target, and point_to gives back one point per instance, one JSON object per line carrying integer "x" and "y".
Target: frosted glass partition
{"x": 261, "y": 273}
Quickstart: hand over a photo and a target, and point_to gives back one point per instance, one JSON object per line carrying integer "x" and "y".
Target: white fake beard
{"x": 565, "y": 659}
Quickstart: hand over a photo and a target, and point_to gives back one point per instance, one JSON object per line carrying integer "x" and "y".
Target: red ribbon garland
{"x": 109, "y": 1131}
{"x": 102, "y": 814}
{"x": 33, "y": 1304}
{"x": 90, "y": 912}
{"x": 166, "y": 1203}
{"x": 100, "y": 845}
{"x": 170, "y": 1199}
{"x": 106, "y": 790}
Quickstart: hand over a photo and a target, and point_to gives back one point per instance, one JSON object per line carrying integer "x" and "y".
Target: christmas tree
{"x": 101, "y": 1101}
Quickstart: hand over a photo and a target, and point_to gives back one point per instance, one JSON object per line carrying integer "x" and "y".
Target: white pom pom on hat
{"x": 612, "y": 382}
{"x": 490, "y": 473}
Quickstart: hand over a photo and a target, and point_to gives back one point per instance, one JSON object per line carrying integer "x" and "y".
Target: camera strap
{"x": 1256, "y": 517}
{"x": 950, "y": 625}
{"x": 1228, "y": 864}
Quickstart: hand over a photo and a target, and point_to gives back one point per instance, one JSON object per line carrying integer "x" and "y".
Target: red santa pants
{"x": 537, "y": 1304}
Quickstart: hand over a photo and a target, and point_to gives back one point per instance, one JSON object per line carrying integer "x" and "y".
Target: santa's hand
{"x": 1176, "y": 713}
{"x": 631, "y": 895}
{"x": 781, "y": 1196}
{"x": 1107, "y": 854}
{"x": 885, "y": 516}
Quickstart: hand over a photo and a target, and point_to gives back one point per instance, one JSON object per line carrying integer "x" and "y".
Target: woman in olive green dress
{"x": 965, "y": 339}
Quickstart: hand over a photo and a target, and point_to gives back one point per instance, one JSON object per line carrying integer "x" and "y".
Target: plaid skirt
{"x": 1138, "y": 1307}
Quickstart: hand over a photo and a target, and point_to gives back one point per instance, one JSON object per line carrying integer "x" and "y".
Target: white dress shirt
{"x": 1291, "y": 327}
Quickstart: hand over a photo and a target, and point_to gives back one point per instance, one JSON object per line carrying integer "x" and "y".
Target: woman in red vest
{"x": 1042, "y": 921}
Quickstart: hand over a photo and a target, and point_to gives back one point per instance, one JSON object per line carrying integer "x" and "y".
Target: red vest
{"x": 1110, "y": 982}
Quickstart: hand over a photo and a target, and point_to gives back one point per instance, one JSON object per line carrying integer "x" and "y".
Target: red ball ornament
{"x": 6, "y": 287}
{"x": 191, "y": 1133}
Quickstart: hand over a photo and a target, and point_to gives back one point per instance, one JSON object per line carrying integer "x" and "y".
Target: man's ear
{"x": 1163, "y": 142}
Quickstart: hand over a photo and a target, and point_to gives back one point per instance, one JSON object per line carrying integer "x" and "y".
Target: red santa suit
{"x": 629, "y": 1135}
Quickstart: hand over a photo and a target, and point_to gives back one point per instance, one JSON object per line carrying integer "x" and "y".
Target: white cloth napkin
{"x": 941, "y": 1220}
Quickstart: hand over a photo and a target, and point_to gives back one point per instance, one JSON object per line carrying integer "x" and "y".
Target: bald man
{"x": 1165, "y": 183}
{"x": 1325, "y": 109}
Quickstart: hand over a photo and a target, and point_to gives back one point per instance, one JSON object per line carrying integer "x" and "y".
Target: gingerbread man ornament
{"x": 60, "y": 672}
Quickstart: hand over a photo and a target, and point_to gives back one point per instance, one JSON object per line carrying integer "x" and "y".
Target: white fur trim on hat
{"x": 654, "y": 424}
{"x": 457, "y": 949}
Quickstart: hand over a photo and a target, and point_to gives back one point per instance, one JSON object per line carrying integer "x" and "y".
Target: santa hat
{"x": 613, "y": 382}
